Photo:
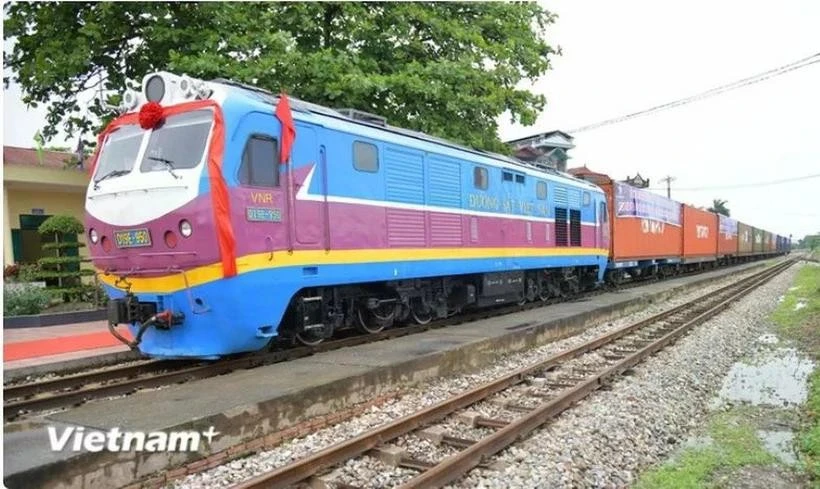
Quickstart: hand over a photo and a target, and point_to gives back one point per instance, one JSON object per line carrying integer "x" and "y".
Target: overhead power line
{"x": 745, "y": 185}
{"x": 751, "y": 80}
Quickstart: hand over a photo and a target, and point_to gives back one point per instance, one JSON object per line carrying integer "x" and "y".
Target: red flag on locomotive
{"x": 288, "y": 129}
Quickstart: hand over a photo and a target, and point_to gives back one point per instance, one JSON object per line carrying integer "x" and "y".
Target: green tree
{"x": 719, "y": 207}
{"x": 449, "y": 69}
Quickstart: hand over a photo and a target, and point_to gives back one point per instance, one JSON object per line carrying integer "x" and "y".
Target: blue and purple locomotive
{"x": 209, "y": 244}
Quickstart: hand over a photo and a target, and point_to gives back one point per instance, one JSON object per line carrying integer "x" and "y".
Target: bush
{"x": 28, "y": 273}
{"x": 22, "y": 272}
{"x": 22, "y": 299}
{"x": 63, "y": 266}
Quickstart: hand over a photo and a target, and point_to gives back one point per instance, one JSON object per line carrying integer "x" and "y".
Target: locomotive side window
{"x": 507, "y": 176}
{"x": 586, "y": 199}
{"x": 365, "y": 157}
{"x": 603, "y": 212}
{"x": 541, "y": 190}
{"x": 480, "y": 178}
{"x": 260, "y": 167}
{"x": 519, "y": 179}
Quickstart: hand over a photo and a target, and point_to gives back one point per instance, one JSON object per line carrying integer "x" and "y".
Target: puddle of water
{"x": 779, "y": 444}
{"x": 698, "y": 442}
{"x": 777, "y": 378}
{"x": 768, "y": 339}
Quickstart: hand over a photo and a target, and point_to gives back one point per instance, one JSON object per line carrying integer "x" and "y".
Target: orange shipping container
{"x": 700, "y": 233}
{"x": 644, "y": 225}
{"x": 728, "y": 237}
{"x": 772, "y": 242}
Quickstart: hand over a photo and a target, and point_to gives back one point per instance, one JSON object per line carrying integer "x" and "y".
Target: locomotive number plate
{"x": 133, "y": 238}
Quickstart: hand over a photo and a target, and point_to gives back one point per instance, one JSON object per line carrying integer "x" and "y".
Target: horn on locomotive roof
{"x": 165, "y": 88}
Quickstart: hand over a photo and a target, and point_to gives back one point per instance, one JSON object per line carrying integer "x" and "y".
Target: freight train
{"x": 222, "y": 217}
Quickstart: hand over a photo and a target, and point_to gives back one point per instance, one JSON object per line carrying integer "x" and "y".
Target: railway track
{"x": 24, "y": 399}
{"x": 522, "y": 401}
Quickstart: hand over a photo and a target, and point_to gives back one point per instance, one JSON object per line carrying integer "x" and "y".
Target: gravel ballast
{"x": 602, "y": 442}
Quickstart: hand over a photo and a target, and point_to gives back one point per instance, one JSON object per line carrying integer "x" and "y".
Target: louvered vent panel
{"x": 405, "y": 228}
{"x": 560, "y": 227}
{"x": 444, "y": 183}
{"x": 445, "y": 229}
{"x": 560, "y": 196}
{"x": 574, "y": 228}
{"x": 404, "y": 176}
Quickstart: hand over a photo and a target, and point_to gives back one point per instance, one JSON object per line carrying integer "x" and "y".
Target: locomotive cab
{"x": 141, "y": 209}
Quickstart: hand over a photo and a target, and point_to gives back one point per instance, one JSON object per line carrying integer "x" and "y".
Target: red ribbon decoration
{"x": 288, "y": 130}
{"x": 220, "y": 199}
{"x": 150, "y": 115}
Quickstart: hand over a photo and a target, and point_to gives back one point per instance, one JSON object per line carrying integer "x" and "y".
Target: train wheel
{"x": 375, "y": 320}
{"x": 422, "y": 317}
{"x": 310, "y": 338}
{"x": 420, "y": 313}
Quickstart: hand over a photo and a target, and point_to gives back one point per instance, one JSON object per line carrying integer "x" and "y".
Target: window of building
{"x": 365, "y": 157}
{"x": 541, "y": 190}
{"x": 480, "y": 178}
{"x": 586, "y": 198}
{"x": 260, "y": 165}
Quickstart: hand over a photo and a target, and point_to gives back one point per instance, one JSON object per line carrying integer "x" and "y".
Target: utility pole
{"x": 669, "y": 179}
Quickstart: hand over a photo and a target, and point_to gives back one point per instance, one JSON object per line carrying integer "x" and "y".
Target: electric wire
{"x": 744, "y": 82}
{"x": 744, "y": 185}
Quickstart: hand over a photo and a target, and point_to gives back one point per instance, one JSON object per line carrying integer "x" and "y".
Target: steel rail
{"x": 21, "y": 390}
{"x": 459, "y": 464}
{"x": 73, "y": 389}
{"x": 303, "y": 469}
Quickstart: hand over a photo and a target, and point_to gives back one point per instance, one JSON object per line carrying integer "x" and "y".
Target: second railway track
{"x": 66, "y": 391}
{"x": 523, "y": 400}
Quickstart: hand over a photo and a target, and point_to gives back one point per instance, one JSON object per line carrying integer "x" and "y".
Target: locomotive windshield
{"x": 179, "y": 143}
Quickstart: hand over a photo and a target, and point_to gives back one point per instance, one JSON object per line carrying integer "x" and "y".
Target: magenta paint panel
{"x": 260, "y": 222}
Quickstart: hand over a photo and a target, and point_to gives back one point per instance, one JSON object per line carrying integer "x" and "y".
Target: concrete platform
{"x": 69, "y": 347}
{"x": 249, "y": 404}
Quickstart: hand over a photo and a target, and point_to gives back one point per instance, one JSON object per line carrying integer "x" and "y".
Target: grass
{"x": 803, "y": 326}
{"x": 734, "y": 444}
{"x": 809, "y": 439}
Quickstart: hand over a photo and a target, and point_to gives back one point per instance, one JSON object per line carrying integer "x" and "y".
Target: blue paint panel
{"x": 574, "y": 198}
{"x": 560, "y": 196}
{"x": 235, "y": 317}
{"x": 403, "y": 175}
{"x": 443, "y": 182}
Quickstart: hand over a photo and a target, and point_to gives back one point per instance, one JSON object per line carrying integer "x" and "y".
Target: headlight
{"x": 129, "y": 99}
{"x": 93, "y": 235}
{"x": 155, "y": 88}
{"x": 185, "y": 228}
{"x": 186, "y": 86}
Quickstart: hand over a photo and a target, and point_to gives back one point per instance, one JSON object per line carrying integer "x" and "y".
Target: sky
{"x": 621, "y": 57}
